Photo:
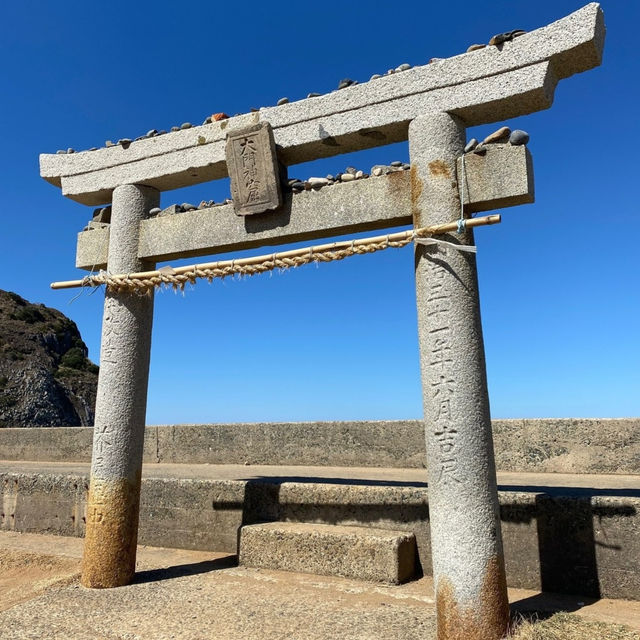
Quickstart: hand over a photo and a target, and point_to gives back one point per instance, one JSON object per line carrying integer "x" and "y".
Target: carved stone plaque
{"x": 253, "y": 169}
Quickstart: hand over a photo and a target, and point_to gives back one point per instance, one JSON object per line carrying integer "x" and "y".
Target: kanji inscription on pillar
{"x": 253, "y": 169}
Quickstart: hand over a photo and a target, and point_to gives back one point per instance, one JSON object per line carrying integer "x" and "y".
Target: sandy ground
{"x": 25, "y": 575}
{"x": 189, "y": 595}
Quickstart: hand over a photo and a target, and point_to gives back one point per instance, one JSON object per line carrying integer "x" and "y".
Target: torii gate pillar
{"x": 494, "y": 84}
{"x": 466, "y": 541}
{"x": 118, "y": 435}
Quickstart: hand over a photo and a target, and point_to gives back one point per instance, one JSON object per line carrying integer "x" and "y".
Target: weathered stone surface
{"x": 170, "y": 210}
{"x": 360, "y": 206}
{"x": 375, "y": 555}
{"x": 502, "y": 177}
{"x": 253, "y": 169}
{"x": 92, "y": 225}
{"x": 479, "y": 87}
{"x": 54, "y": 503}
{"x": 111, "y": 535}
{"x": 567, "y": 445}
{"x": 562, "y": 533}
{"x": 468, "y": 561}
{"x": 56, "y": 444}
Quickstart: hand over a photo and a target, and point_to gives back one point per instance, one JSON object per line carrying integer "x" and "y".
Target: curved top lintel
{"x": 482, "y": 86}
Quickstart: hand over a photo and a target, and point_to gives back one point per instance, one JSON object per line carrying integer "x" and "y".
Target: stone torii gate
{"x": 431, "y": 106}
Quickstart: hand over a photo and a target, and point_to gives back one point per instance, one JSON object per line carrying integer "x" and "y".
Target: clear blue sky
{"x": 558, "y": 279}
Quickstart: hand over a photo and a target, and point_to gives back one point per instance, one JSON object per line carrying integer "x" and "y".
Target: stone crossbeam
{"x": 500, "y": 178}
{"x": 492, "y": 84}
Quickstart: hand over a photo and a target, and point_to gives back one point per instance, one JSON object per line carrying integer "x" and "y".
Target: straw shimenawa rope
{"x": 178, "y": 277}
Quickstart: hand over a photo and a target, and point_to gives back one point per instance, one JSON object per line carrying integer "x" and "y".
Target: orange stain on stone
{"x": 439, "y": 168}
{"x": 109, "y": 558}
{"x": 416, "y": 192}
{"x": 488, "y": 620}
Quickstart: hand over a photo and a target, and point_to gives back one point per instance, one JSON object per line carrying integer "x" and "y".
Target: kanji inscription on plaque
{"x": 253, "y": 169}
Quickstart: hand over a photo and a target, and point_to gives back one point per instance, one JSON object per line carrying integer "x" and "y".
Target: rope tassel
{"x": 180, "y": 276}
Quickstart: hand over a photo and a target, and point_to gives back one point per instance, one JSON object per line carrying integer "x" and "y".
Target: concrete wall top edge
{"x": 635, "y": 419}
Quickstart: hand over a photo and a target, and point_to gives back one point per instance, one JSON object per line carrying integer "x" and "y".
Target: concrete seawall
{"x": 563, "y": 445}
{"x": 564, "y": 534}
{"x": 201, "y": 483}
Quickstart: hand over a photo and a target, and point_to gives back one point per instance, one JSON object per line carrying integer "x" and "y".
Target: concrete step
{"x": 374, "y": 555}
{"x": 567, "y": 445}
{"x": 563, "y": 533}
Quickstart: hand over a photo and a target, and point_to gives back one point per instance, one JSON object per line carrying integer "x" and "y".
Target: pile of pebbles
{"x": 216, "y": 117}
{"x": 186, "y": 206}
{"x": 311, "y": 184}
{"x": 349, "y": 175}
{"x": 102, "y": 215}
{"x": 348, "y": 82}
{"x": 405, "y": 66}
{"x": 152, "y": 133}
{"x": 503, "y": 135}
{"x": 497, "y": 40}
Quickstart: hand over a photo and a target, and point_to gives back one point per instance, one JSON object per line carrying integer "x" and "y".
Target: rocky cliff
{"x": 46, "y": 379}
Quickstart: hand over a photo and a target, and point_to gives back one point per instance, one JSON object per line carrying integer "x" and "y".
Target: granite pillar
{"x": 114, "y": 494}
{"x": 468, "y": 563}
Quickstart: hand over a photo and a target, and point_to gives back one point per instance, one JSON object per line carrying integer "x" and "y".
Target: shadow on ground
{"x": 189, "y": 569}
